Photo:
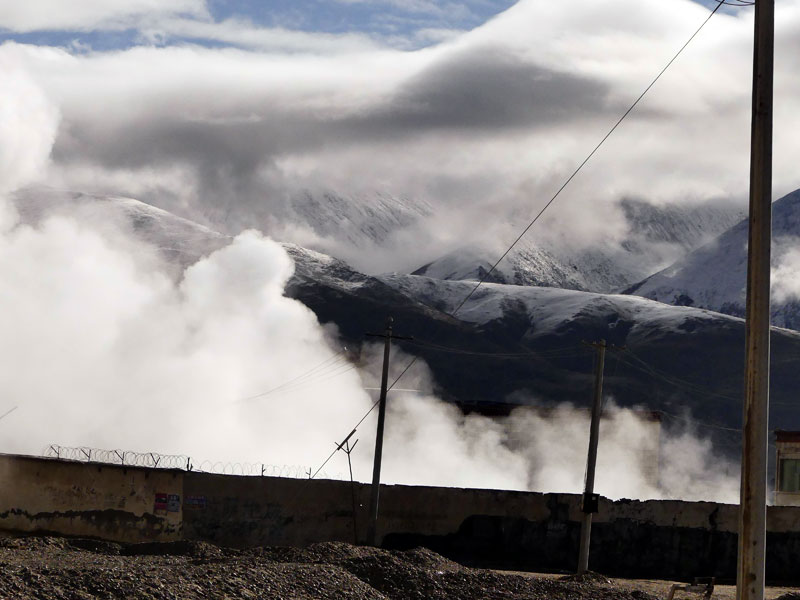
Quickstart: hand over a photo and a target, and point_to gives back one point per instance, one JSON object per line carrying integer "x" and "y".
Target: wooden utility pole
{"x": 755, "y": 434}
{"x": 589, "y": 504}
{"x": 376, "y": 468}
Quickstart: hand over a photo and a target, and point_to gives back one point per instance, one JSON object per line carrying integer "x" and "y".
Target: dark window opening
{"x": 789, "y": 475}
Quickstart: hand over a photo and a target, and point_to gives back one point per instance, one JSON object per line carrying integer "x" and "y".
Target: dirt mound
{"x": 56, "y": 569}
{"x": 588, "y": 577}
{"x": 180, "y": 548}
{"x": 428, "y": 559}
{"x": 34, "y": 542}
{"x": 97, "y": 546}
{"x": 641, "y": 595}
{"x": 323, "y": 553}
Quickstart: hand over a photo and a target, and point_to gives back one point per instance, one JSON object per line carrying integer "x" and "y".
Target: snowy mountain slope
{"x": 528, "y": 265}
{"x": 548, "y": 308}
{"x": 357, "y": 220}
{"x": 714, "y": 276}
{"x": 686, "y": 227}
{"x": 656, "y": 236}
{"x": 675, "y": 358}
{"x": 180, "y": 241}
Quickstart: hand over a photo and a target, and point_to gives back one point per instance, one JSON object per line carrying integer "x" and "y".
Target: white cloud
{"x": 87, "y": 15}
{"x": 242, "y": 33}
{"x": 484, "y": 126}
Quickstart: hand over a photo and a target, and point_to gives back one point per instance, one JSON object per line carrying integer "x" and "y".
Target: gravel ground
{"x": 56, "y": 568}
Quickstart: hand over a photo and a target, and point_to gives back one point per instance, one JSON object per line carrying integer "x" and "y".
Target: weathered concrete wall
{"x": 110, "y": 502}
{"x": 252, "y": 511}
{"x": 669, "y": 539}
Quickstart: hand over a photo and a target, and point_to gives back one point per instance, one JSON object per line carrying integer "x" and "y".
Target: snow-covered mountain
{"x": 357, "y": 220}
{"x": 180, "y": 241}
{"x": 548, "y": 309}
{"x": 368, "y": 229}
{"x": 509, "y": 344}
{"x": 715, "y": 275}
{"x": 656, "y": 237}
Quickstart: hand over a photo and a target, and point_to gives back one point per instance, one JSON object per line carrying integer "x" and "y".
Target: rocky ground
{"x": 56, "y": 568}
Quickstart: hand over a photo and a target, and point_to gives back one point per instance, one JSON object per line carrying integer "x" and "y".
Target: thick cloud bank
{"x": 483, "y": 127}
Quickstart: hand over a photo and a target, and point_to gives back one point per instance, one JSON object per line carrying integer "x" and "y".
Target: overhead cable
{"x": 552, "y": 200}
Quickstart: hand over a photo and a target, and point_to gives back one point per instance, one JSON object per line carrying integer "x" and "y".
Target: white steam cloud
{"x": 28, "y": 125}
{"x": 102, "y": 348}
{"x": 429, "y": 442}
{"x": 785, "y": 276}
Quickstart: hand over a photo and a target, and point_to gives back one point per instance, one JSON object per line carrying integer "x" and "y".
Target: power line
{"x": 323, "y": 368}
{"x": 565, "y": 352}
{"x": 586, "y": 160}
{"x": 675, "y": 381}
{"x": 698, "y": 422}
{"x": 549, "y": 203}
{"x": 8, "y": 412}
{"x": 578, "y": 169}
{"x": 322, "y": 466}
{"x": 734, "y": 3}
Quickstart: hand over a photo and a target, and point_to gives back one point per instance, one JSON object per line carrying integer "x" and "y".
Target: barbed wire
{"x": 154, "y": 460}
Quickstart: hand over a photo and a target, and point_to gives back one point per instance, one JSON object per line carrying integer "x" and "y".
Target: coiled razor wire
{"x": 153, "y": 460}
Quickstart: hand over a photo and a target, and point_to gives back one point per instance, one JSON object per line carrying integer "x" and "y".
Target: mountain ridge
{"x": 714, "y": 276}
{"x": 656, "y": 236}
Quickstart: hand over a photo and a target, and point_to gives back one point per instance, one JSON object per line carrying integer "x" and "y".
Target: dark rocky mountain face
{"x": 513, "y": 345}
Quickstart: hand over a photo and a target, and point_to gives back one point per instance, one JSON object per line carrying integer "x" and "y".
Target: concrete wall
{"x": 669, "y": 539}
{"x": 253, "y": 511}
{"x": 90, "y": 500}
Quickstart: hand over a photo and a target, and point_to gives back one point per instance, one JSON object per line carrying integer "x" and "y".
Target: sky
{"x": 113, "y": 25}
{"x": 468, "y": 115}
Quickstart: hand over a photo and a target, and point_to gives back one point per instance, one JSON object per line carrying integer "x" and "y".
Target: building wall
{"x": 788, "y": 447}
{"x": 669, "y": 539}
{"x": 90, "y": 500}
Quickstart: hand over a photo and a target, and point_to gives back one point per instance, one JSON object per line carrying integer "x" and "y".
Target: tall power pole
{"x": 755, "y": 434}
{"x": 589, "y": 504}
